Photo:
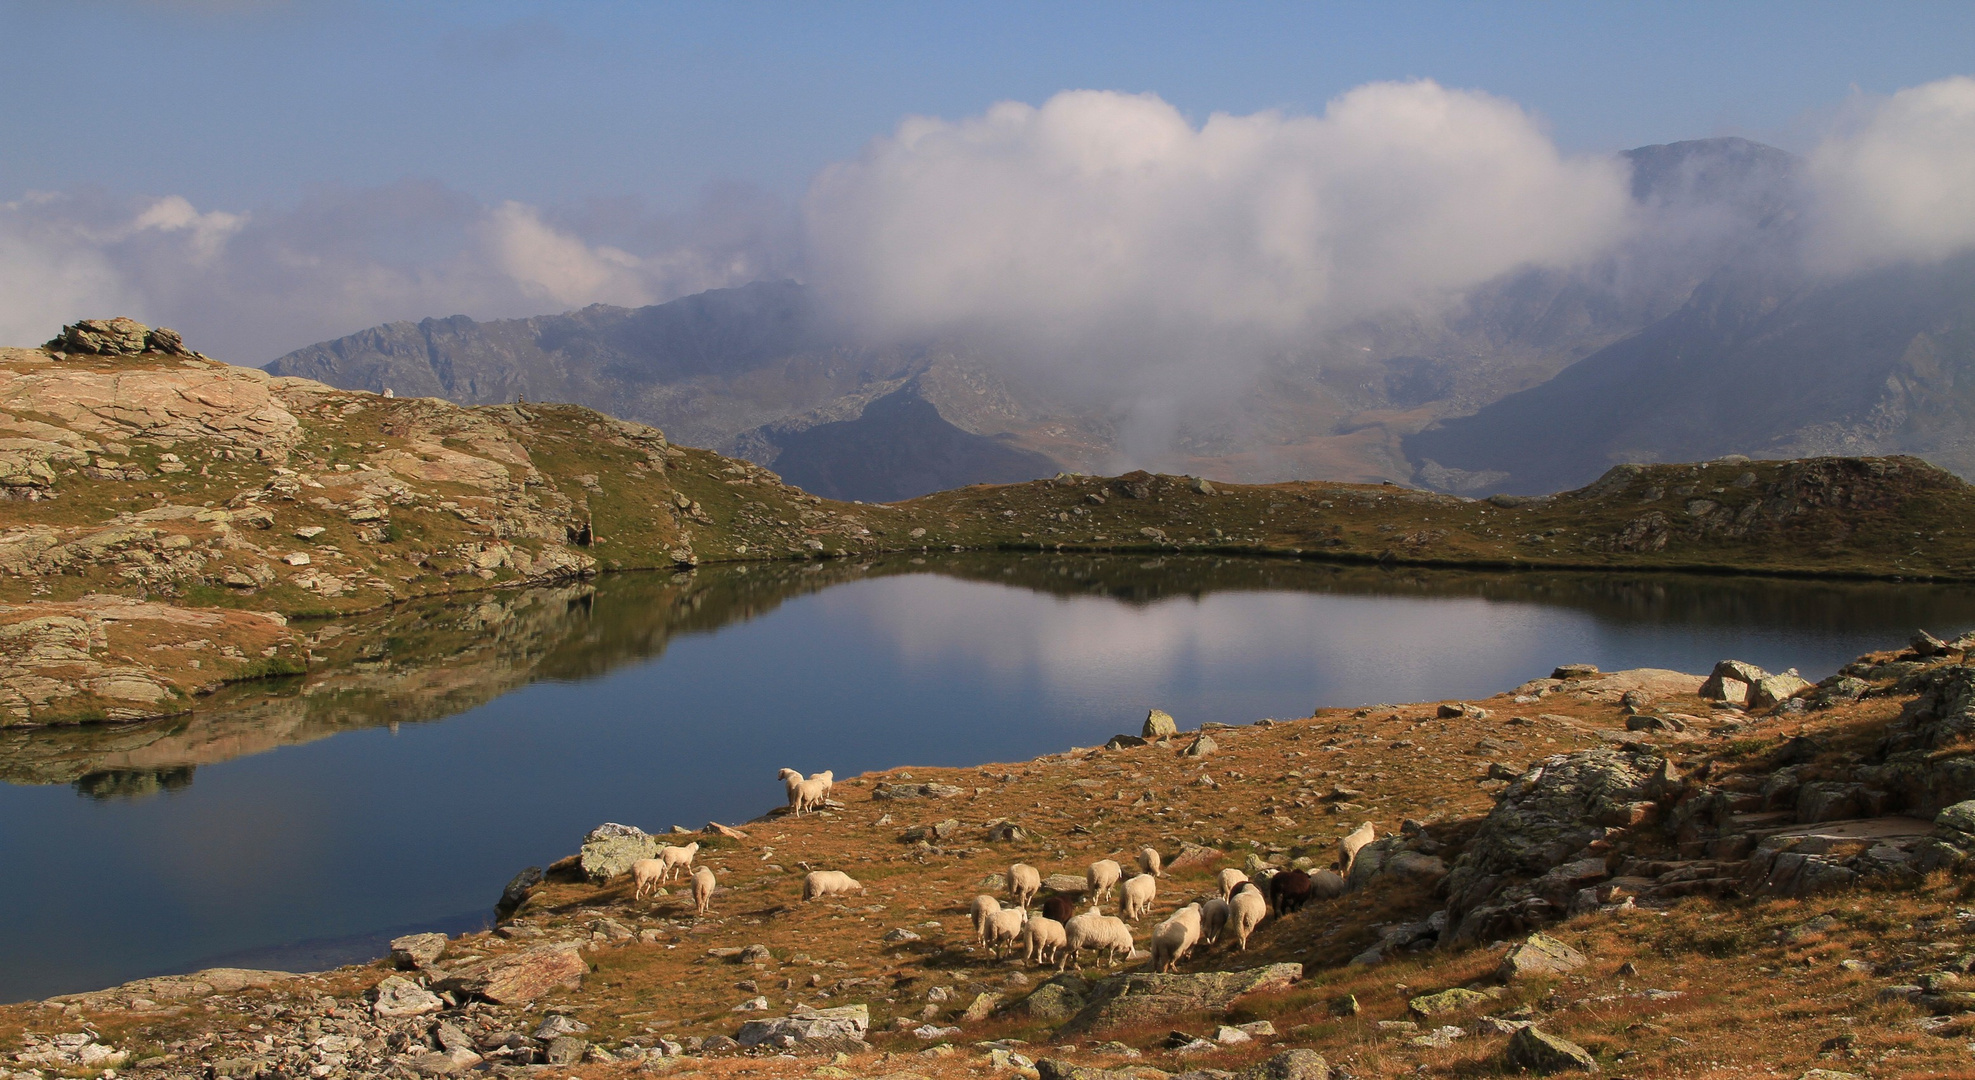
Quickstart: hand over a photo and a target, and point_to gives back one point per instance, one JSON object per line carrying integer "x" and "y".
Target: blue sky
{"x": 248, "y": 103}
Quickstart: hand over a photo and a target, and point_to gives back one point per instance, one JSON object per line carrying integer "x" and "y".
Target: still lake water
{"x": 299, "y": 826}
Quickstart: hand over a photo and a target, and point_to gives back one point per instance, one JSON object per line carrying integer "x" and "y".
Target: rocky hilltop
{"x": 163, "y": 516}
{"x": 1635, "y": 873}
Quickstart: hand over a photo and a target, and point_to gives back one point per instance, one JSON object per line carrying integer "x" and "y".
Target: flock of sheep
{"x": 1059, "y": 933}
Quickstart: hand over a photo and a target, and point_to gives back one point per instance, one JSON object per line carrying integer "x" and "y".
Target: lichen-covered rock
{"x": 1731, "y": 681}
{"x": 1539, "y": 954}
{"x": 1054, "y": 1001}
{"x": 1142, "y": 996}
{"x": 1771, "y": 690}
{"x": 807, "y": 1028}
{"x": 399, "y": 997}
{"x": 610, "y": 849}
{"x": 1540, "y": 1052}
{"x": 417, "y": 950}
{"x": 1502, "y": 884}
{"x": 1289, "y": 1065}
{"x": 1447, "y": 1001}
{"x": 1159, "y": 725}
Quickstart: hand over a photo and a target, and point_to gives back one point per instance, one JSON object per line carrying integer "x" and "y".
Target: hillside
{"x": 166, "y": 516}
{"x": 1658, "y": 882}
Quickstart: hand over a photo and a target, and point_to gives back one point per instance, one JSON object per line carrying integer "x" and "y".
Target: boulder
{"x": 1447, "y": 1001}
{"x": 915, "y": 791}
{"x": 1065, "y": 883}
{"x": 1124, "y": 742}
{"x": 1141, "y": 996}
{"x": 1543, "y": 1053}
{"x": 1772, "y": 690}
{"x": 516, "y": 893}
{"x": 519, "y": 977}
{"x": 1201, "y": 746}
{"x": 1289, "y": 1065}
{"x": 417, "y": 950}
{"x": 808, "y": 1027}
{"x": 1539, "y": 954}
{"x": 1058, "y": 1069}
{"x": 118, "y": 337}
{"x": 1196, "y": 855}
{"x": 1575, "y": 671}
{"x": 1503, "y": 882}
{"x": 1159, "y": 725}
{"x": 981, "y": 1008}
{"x": 1054, "y": 1001}
{"x": 399, "y": 997}
{"x": 1720, "y": 682}
{"x": 1956, "y": 819}
{"x": 610, "y": 849}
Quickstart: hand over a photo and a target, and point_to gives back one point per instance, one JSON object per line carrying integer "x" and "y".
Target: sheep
{"x": 820, "y": 883}
{"x": 1059, "y": 908}
{"x": 677, "y": 858}
{"x": 703, "y": 883}
{"x": 1024, "y": 881}
{"x": 1149, "y": 861}
{"x": 1247, "y": 908}
{"x": 1099, "y": 933}
{"x": 1137, "y": 895}
{"x": 1348, "y": 848}
{"x": 1003, "y": 927}
{"x": 1213, "y": 919}
{"x": 1174, "y": 938}
{"x": 983, "y": 906}
{"x": 810, "y": 793}
{"x": 647, "y": 873}
{"x": 792, "y": 780}
{"x": 1042, "y": 940}
{"x": 1289, "y": 891}
{"x": 1103, "y": 876}
{"x": 1231, "y": 879}
{"x": 1262, "y": 878}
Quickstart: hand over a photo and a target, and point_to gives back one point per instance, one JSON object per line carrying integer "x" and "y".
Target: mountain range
{"x": 1702, "y": 335}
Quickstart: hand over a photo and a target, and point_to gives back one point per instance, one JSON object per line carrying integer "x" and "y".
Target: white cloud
{"x": 249, "y": 286}
{"x": 1897, "y": 180}
{"x": 1107, "y": 227}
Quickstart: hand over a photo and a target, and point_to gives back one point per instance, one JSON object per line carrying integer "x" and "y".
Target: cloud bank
{"x": 1108, "y": 227}
{"x": 249, "y": 286}
{"x": 1897, "y": 180}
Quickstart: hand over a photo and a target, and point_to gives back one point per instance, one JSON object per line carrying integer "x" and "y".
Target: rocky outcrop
{"x": 517, "y": 978}
{"x": 119, "y": 337}
{"x": 811, "y": 1030}
{"x": 1141, "y": 996}
{"x": 1547, "y": 837}
{"x": 610, "y": 849}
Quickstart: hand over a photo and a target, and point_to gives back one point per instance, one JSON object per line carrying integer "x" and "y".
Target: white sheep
{"x": 1099, "y": 933}
{"x": 1024, "y": 881}
{"x": 1231, "y": 879}
{"x": 1149, "y": 861}
{"x": 677, "y": 858}
{"x": 703, "y": 884}
{"x": 1004, "y": 927}
{"x": 821, "y": 883}
{"x": 1174, "y": 938}
{"x": 647, "y": 873}
{"x": 810, "y": 793}
{"x": 1041, "y": 940}
{"x": 792, "y": 780}
{"x": 983, "y": 906}
{"x": 1136, "y": 895}
{"x": 1348, "y": 848}
{"x": 1103, "y": 876}
{"x": 1213, "y": 919}
{"x": 1247, "y": 907}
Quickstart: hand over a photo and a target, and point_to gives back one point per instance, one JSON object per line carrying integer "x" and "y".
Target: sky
{"x": 267, "y": 174}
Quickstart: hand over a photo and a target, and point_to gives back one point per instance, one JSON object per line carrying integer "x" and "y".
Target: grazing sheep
{"x": 677, "y": 858}
{"x": 1231, "y": 879}
{"x": 1059, "y": 908}
{"x": 1004, "y": 927}
{"x": 1348, "y": 848}
{"x": 792, "y": 780}
{"x": 1024, "y": 881}
{"x": 1042, "y": 940}
{"x": 1137, "y": 895}
{"x": 1174, "y": 938}
{"x": 647, "y": 873}
{"x": 1289, "y": 891}
{"x": 1247, "y": 909}
{"x": 1326, "y": 885}
{"x": 1099, "y": 933}
{"x": 983, "y": 906}
{"x": 1103, "y": 876}
{"x": 1262, "y": 879}
{"x": 703, "y": 883}
{"x": 1149, "y": 861}
{"x": 820, "y": 883}
{"x": 1213, "y": 919}
{"x": 810, "y": 793}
